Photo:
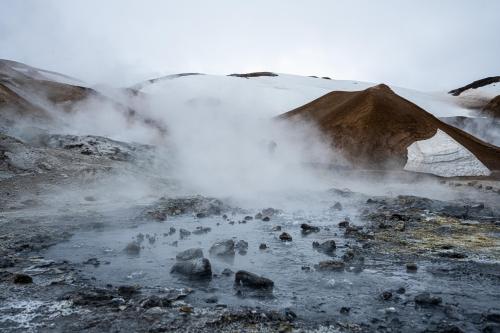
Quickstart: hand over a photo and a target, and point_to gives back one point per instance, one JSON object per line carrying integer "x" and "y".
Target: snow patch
{"x": 441, "y": 155}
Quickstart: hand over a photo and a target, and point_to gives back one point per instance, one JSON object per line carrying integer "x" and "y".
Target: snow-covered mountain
{"x": 273, "y": 95}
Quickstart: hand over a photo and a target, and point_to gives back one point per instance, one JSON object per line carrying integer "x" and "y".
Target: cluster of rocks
{"x": 199, "y": 206}
{"x": 97, "y": 146}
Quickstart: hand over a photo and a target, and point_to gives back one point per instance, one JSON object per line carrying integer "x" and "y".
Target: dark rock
{"x": 401, "y": 290}
{"x": 262, "y": 246}
{"x": 277, "y": 228}
{"x": 22, "y": 278}
{"x": 199, "y": 268}
{"x": 330, "y": 265}
{"x": 241, "y": 246}
{"x": 493, "y": 316}
{"x": 155, "y": 301}
{"x": 94, "y": 297}
{"x": 386, "y": 295}
{"x": 307, "y": 228}
{"x": 252, "y": 280}
{"x": 211, "y": 300}
{"x": 400, "y": 226}
{"x": 491, "y": 328}
{"x": 183, "y": 233}
{"x": 193, "y": 253}
{"x": 452, "y": 255}
{"x": 227, "y": 272}
{"x": 286, "y": 237}
{"x": 266, "y": 219}
{"x": 343, "y": 224}
{"x": 201, "y": 230}
{"x": 133, "y": 248}
{"x": 427, "y": 299}
{"x": 248, "y": 218}
{"x": 128, "y": 291}
{"x": 327, "y": 247}
{"x": 345, "y": 310}
{"x": 337, "y": 206}
{"x": 253, "y": 74}
{"x": 411, "y": 267}
{"x": 92, "y": 261}
{"x": 270, "y": 212}
{"x": 223, "y": 248}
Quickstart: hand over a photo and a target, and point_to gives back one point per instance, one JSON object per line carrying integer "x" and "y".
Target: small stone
{"x": 386, "y": 295}
{"x": 22, "y": 278}
{"x": 343, "y": 224}
{"x": 276, "y": 228}
{"x": 400, "y": 226}
{"x": 266, "y": 219}
{"x": 248, "y": 218}
{"x": 411, "y": 267}
{"x": 262, "y": 246}
{"x": 241, "y": 246}
{"x": 227, "y": 272}
{"x": 345, "y": 310}
{"x": 184, "y": 233}
{"x": 327, "y": 247}
{"x": 126, "y": 290}
{"x": 307, "y": 228}
{"x": 286, "y": 237}
{"x": 427, "y": 299}
{"x": 133, "y": 248}
{"x": 211, "y": 300}
{"x": 186, "y": 309}
{"x": 331, "y": 265}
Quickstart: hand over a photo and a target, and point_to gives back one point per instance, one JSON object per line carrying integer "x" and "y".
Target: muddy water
{"x": 314, "y": 296}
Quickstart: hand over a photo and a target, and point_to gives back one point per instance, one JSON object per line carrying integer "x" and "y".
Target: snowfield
{"x": 270, "y": 96}
{"x": 441, "y": 155}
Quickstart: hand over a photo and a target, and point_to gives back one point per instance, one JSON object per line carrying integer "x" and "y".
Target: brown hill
{"x": 374, "y": 127}
{"x": 27, "y": 91}
{"x": 493, "y": 108}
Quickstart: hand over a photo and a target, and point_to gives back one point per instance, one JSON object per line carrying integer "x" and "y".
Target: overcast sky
{"x": 420, "y": 44}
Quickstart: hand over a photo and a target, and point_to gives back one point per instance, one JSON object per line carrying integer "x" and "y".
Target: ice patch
{"x": 441, "y": 155}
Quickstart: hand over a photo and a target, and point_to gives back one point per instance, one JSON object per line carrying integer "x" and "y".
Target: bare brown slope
{"x": 31, "y": 96}
{"x": 493, "y": 107}
{"x": 374, "y": 127}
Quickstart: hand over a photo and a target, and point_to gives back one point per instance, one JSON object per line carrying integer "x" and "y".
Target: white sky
{"x": 424, "y": 44}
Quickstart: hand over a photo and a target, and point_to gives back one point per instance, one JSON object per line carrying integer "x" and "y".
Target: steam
{"x": 221, "y": 151}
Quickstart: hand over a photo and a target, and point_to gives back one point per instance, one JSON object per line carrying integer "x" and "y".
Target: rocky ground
{"x": 438, "y": 259}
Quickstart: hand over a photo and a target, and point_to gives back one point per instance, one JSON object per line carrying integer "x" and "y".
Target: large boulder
{"x": 223, "y": 248}
{"x": 198, "y": 268}
{"x": 247, "y": 279}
